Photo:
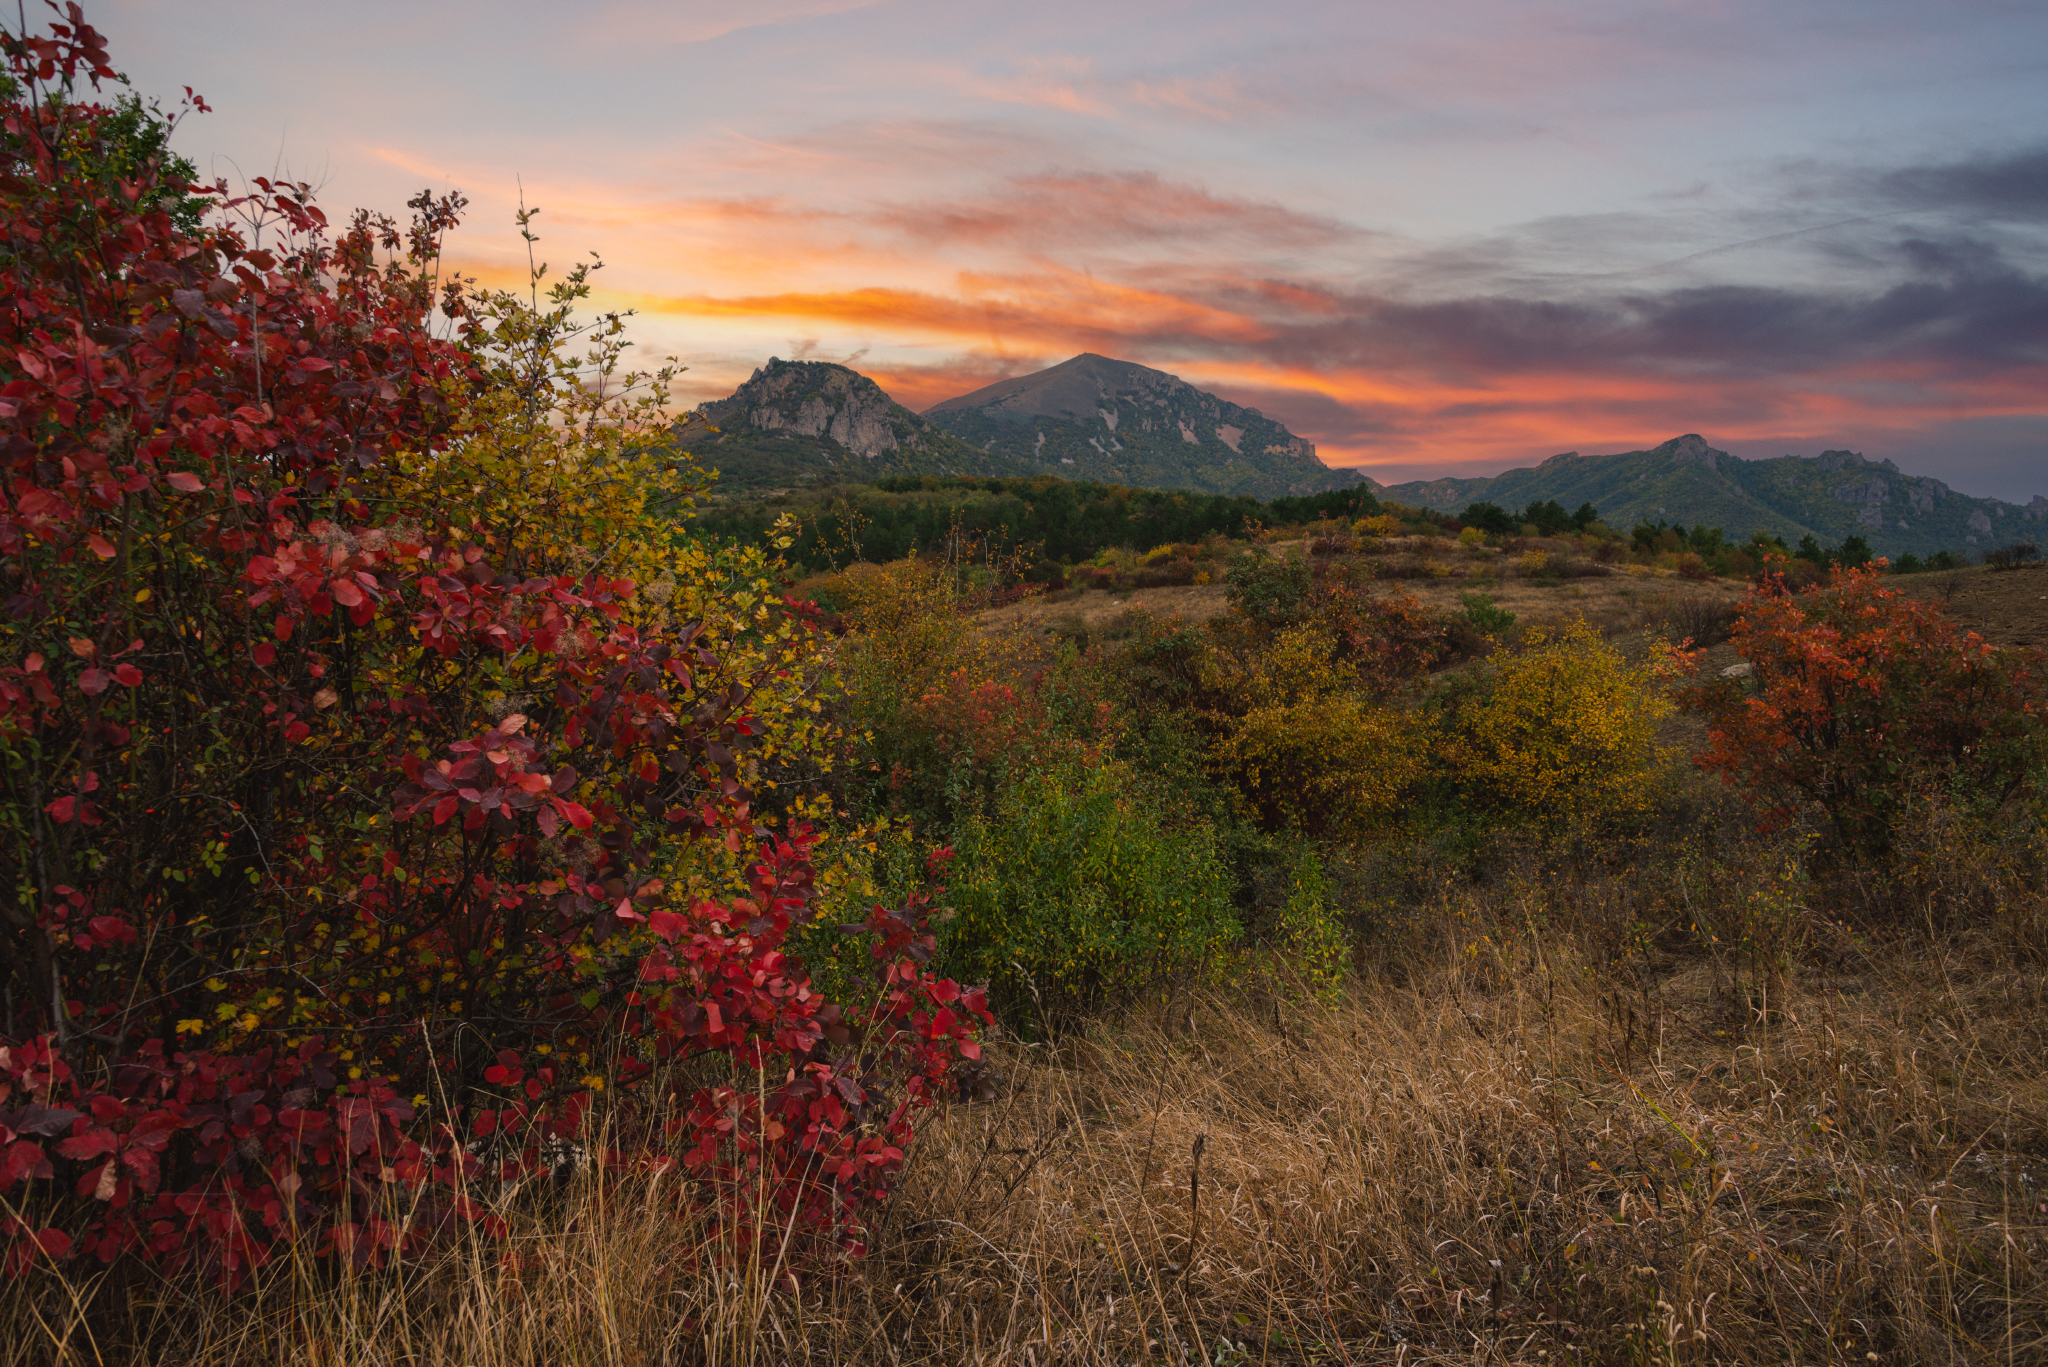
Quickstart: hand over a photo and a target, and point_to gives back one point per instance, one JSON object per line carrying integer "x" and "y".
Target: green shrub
{"x": 1070, "y": 890}
{"x": 1267, "y": 590}
{"x": 1481, "y": 612}
{"x": 1312, "y": 945}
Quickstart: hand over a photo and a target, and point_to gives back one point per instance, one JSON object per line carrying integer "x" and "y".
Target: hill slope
{"x": 1097, "y": 418}
{"x": 1833, "y": 495}
{"x": 794, "y": 422}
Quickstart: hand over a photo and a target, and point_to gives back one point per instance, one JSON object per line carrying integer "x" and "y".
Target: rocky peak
{"x": 813, "y": 399}
{"x": 1095, "y": 417}
{"x": 1843, "y": 460}
{"x": 1692, "y": 449}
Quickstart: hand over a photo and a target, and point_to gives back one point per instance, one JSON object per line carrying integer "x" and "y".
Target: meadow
{"x": 464, "y": 911}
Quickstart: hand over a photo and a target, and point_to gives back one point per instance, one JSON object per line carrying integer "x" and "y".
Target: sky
{"x": 1442, "y": 239}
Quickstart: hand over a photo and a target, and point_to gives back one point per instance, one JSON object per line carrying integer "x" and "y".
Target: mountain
{"x": 1097, "y": 418}
{"x": 794, "y": 422}
{"x": 1833, "y": 495}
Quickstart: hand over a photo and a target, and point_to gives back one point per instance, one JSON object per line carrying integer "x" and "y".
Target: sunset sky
{"x": 1440, "y": 239}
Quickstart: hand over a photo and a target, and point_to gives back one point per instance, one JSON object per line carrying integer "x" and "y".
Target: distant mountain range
{"x": 795, "y": 422}
{"x": 1833, "y": 495}
{"x": 1094, "y": 418}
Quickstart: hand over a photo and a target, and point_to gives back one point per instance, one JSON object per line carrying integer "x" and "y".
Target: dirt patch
{"x": 2006, "y": 608}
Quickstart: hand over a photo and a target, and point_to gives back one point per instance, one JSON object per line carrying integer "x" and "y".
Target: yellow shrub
{"x": 1471, "y": 536}
{"x": 1534, "y": 562}
{"x": 1382, "y": 524}
{"x": 1566, "y": 732}
{"x": 1311, "y": 753}
{"x": 1335, "y": 767}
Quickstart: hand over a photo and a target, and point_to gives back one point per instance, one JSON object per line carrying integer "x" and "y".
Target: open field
{"x": 1544, "y": 1125}
{"x": 2008, "y": 608}
{"x": 1614, "y": 603}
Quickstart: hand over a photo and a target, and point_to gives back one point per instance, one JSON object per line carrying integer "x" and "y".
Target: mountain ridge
{"x": 1096, "y": 417}
{"x": 1686, "y": 480}
{"x": 1831, "y": 496}
{"x": 1089, "y": 418}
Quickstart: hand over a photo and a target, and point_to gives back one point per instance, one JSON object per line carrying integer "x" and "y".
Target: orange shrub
{"x": 1860, "y": 697}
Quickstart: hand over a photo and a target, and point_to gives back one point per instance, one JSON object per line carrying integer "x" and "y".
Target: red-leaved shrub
{"x": 1860, "y": 698}
{"x": 306, "y": 904}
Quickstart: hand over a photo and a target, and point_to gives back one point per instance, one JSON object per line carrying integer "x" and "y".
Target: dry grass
{"x": 2009, "y": 608}
{"x": 1436, "y": 572}
{"x": 1546, "y": 1123}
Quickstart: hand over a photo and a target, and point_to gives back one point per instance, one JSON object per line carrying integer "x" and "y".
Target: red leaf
{"x": 143, "y": 1164}
{"x": 94, "y": 681}
{"x": 129, "y": 675}
{"x": 264, "y": 654}
{"x": 91, "y": 1144}
{"x": 62, "y": 809}
{"x": 101, "y": 547}
{"x": 112, "y": 928}
{"x": 577, "y": 816}
{"x": 185, "y": 482}
{"x": 21, "y": 1159}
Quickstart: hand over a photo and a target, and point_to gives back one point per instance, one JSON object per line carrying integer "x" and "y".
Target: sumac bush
{"x": 379, "y": 773}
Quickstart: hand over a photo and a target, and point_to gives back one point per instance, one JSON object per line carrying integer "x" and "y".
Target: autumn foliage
{"x": 382, "y": 777}
{"x": 1861, "y": 700}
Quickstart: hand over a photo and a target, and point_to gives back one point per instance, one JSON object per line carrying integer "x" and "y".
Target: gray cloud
{"x": 2010, "y": 185}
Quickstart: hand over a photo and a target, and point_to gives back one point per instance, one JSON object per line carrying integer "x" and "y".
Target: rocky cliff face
{"x": 1094, "y": 417}
{"x": 814, "y": 399}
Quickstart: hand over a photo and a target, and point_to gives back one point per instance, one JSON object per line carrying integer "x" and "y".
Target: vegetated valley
{"x": 473, "y": 901}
